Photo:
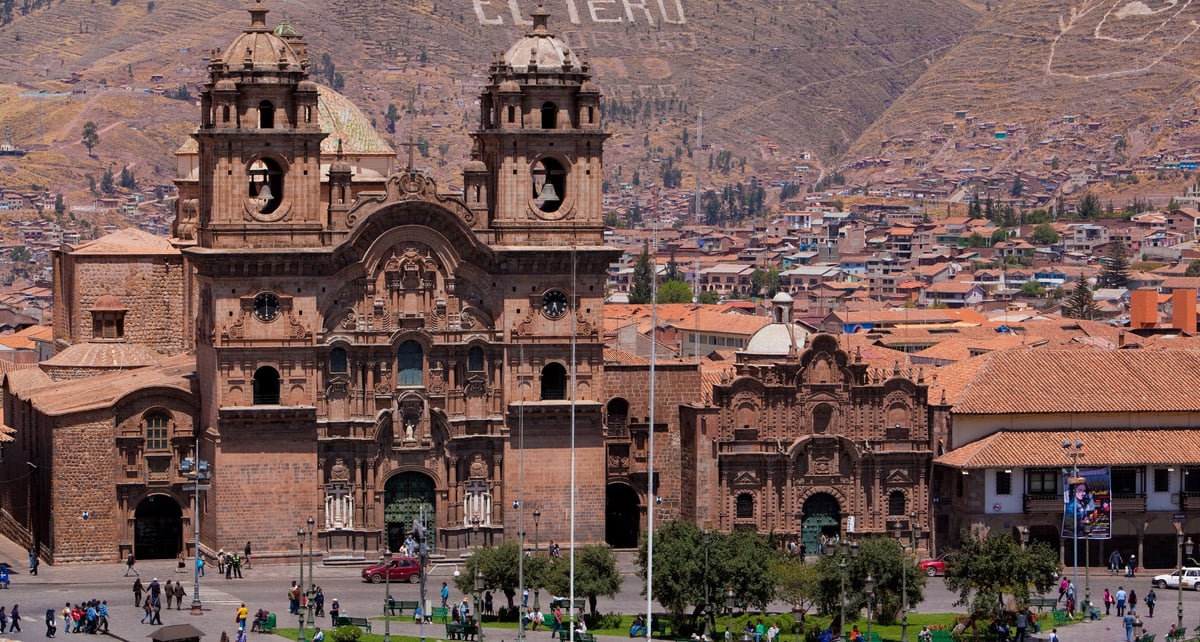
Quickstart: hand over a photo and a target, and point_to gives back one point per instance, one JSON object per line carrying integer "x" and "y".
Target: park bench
{"x": 397, "y": 607}
{"x": 580, "y": 602}
{"x": 1042, "y": 603}
{"x": 265, "y": 626}
{"x": 548, "y": 620}
{"x": 458, "y": 631}
{"x": 873, "y": 636}
{"x": 1061, "y": 616}
{"x": 658, "y": 626}
{"x": 940, "y": 635}
{"x": 1148, "y": 637}
{"x": 441, "y": 613}
{"x": 584, "y": 637}
{"x": 360, "y": 622}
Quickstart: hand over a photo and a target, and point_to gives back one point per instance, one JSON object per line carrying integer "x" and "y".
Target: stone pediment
{"x": 403, "y": 187}
{"x": 898, "y": 477}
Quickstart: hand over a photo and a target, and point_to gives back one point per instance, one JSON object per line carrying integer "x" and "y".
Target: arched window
{"x": 591, "y": 114}
{"x": 156, "y": 431}
{"x": 266, "y": 115}
{"x": 549, "y": 184}
{"x": 225, "y": 113}
{"x": 896, "y": 503}
{"x": 822, "y": 417}
{"x": 512, "y": 114}
{"x": 266, "y": 386}
{"x": 410, "y": 364}
{"x": 618, "y": 415}
{"x": 745, "y": 506}
{"x": 554, "y": 382}
{"x": 337, "y": 360}
{"x": 266, "y": 184}
{"x": 549, "y": 116}
{"x": 307, "y": 114}
{"x": 475, "y": 359}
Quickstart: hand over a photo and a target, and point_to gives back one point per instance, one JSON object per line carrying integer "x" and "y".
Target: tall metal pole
{"x": 1074, "y": 451}
{"x": 197, "y": 608}
{"x": 869, "y": 584}
{"x": 1179, "y": 565}
{"x": 903, "y": 583}
{"x": 312, "y": 579}
{"x": 848, "y": 551}
{"x": 300, "y": 611}
{"x": 387, "y": 595}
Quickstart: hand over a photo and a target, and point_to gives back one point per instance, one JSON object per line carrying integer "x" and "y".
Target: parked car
{"x": 935, "y": 566}
{"x": 1191, "y": 579}
{"x": 400, "y": 569}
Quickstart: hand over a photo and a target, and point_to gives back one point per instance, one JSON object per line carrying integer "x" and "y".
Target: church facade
{"x": 337, "y": 339}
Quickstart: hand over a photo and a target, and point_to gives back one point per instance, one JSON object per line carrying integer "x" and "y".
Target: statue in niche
{"x": 478, "y": 466}
{"x": 339, "y": 471}
{"x": 410, "y": 427}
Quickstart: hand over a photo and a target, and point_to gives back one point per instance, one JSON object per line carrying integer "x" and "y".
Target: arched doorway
{"x": 408, "y": 496}
{"x": 157, "y": 528}
{"x": 822, "y": 515}
{"x": 621, "y": 516}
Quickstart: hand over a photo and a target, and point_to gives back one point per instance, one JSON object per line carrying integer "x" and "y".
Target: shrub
{"x": 346, "y": 633}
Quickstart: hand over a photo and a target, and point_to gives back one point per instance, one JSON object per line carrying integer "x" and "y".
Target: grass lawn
{"x": 890, "y": 633}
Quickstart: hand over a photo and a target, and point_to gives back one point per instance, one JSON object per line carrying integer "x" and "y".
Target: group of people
{"x": 89, "y": 617}
{"x": 13, "y": 616}
{"x": 298, "y": 600}
{"x": 1116, "y": 563}
{"x": 1127, "y": 602}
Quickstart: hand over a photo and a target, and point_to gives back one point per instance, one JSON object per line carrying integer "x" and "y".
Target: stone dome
{"x": 92, "y": 358}
{"x": 780, "y": 337}
{"x": 260, "y": 49}
{"x": 776, "y": 339}
{"x": 539, "y": 48}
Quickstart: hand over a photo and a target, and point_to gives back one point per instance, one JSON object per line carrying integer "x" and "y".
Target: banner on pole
{"x": 1087, "y": 504}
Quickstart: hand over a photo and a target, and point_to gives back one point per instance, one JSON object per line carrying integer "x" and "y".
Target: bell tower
{"x": 259, "y": 143}
{"x": 541, "y": 137}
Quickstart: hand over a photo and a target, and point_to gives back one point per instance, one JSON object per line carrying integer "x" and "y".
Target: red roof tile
{"x": 1036, "y": 449}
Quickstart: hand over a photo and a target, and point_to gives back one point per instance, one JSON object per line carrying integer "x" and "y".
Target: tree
{"x": 91, "y": 137}
{"x": 643, "y": 272}
{"x": 983, "y": 570}
{"x": 1017, "y": 187}
{"x": 1193, "y": 268}
{"x": 1088, "y": 206}
{"x": 795, "y": 581}
{"x": 1044, "y": 234}
{"x": 739, "y": 560}
{"x": 674, "y": 292}
{"x": 976, "y": 240}
{"x": 127, "y": 179}
{"x": 392, "y": 116}
{"x": 673, "y": 273}
{"x": 999, "y": 236}
{"x": 1033, "y": 288}
{"x": 881, "y": 558}
{"x": 764, "y": 282}
{"x": 1080, "y": 305}
{"x": 708, "y": 297}
{"x": 499, "y": 565}
{"x": 107, "y": 182}
{"x": 59, "y": 205}
{"x": 596, "y": 574}
{"x": 1114, "y": 269}
{"x": 20, "y": 254}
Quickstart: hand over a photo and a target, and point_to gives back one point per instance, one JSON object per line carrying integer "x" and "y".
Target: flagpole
{"x": 574, "y": 315}
{"x": 651, "y": 500}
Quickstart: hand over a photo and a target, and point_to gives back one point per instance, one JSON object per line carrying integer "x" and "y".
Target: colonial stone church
{"x": 330, "y": 336}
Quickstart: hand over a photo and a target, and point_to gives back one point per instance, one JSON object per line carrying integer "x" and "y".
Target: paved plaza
{"x": 266, "y": 585}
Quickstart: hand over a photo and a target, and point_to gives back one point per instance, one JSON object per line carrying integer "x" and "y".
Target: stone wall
{"x": 152, "y": 288}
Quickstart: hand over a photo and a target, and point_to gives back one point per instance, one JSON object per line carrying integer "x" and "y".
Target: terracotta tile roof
{"x": 1082, "y": 381}
{"x": 959, "y": 348}
{"x": 127, "y": 241}
{"x": 1043, "y": 448}
{"x": 102, "y": 391}
{"x": 613, "y": 355}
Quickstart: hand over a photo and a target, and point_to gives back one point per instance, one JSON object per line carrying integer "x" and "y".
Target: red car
{"x": 936, "y": 566}
{"x": 401, "y": 569}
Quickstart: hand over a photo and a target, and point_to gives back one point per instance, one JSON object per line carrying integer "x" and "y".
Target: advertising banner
{"x": 1087, "y": 504}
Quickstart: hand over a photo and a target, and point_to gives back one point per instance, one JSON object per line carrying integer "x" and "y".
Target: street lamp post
{"x": 707, "y": 601}
{"x": 311, "y": 593}
{"x": 480, "y": 583}
{"x": 915, "y": 535}
{"x": 387, "y": 595}
{"x": 537, "y": 515}
{"x": 196, "y": 470}
{"x": 730, "y": 602}
{"x": 299, "y": 611}
{"x": 869, "y": 586}
{"x": 848, "y": 551}
{"x": 1074, "y": 451}
{"x": 1180, "y": 546}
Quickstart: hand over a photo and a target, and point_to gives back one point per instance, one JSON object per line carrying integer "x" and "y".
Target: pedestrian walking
{"x": 445, "y": 595}
{"x": 1151, "y": 598}
{"x": 15, "y": 621}
{"x": 246, "y": 555}
{"x": 1114, "y": 563}
{"x": 1121, "y": 596}
{"x": 334, "y": 610}
{"x": 1128, "y": 619}
{"x": 138, "y": 589}
{"x": 200, "y": 565}
{"x": 129, "y": 562}
{"x": 242, "y": 614}
{"x": 1108, "y": 602}
{"x": 157, "y": 604}
{"x": 147, "y": 612}
{"x": 51, "y": 625}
